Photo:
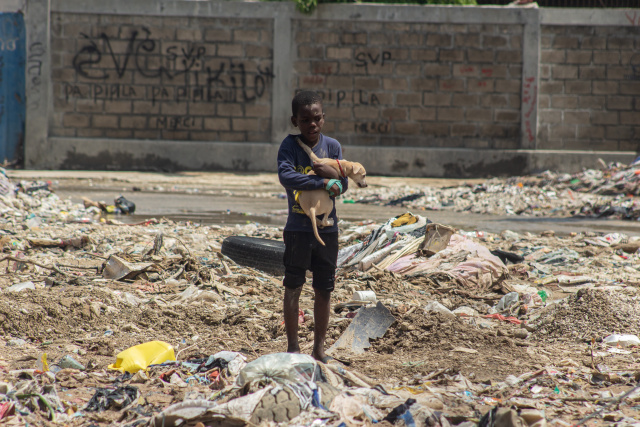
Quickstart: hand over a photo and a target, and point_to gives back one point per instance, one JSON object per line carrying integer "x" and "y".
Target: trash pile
{"x": 610, "y": 192}
{"x": 152, "y": 324}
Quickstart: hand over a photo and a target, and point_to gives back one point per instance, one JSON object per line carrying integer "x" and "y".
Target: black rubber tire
{"x": 285, "y": 406}
{"x": 263, "y": 254}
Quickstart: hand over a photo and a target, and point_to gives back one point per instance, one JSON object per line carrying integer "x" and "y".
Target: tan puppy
{"x": 318, "y": 202}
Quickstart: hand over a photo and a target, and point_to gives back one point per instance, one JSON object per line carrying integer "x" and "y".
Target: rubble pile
{"x": 153, "y": 324}
{"x": 606, "y": 193}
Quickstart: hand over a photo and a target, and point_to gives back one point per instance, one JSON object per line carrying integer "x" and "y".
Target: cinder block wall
{"x": 414, "y": 85}
{"x": 161, "y": 78}
{"x": 590, "y": 88}
{"x": 409, "y": 90}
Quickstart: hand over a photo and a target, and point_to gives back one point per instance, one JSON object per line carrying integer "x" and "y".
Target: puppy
{"x": 318, "y": 202}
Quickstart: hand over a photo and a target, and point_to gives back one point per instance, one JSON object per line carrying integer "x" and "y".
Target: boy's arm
{"x": 290, "y": 178}
{"x": 344, "y": 181}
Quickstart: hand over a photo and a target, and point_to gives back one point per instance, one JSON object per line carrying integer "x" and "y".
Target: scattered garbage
{"x": 543, "y": 328}
{"x": 141, "y": 356}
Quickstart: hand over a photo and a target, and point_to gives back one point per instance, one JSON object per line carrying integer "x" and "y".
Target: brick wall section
{"x": 172, "y": 78}
{"x": 406, "y": 84}
{"x": 590, "y": 88}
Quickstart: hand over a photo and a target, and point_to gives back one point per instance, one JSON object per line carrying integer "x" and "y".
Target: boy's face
{"x": 309, "y": 120}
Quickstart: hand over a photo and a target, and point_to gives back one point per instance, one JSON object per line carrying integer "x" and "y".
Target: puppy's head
{"x": 358, "y": 174}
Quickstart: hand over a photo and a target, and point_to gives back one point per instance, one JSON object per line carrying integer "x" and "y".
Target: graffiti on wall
{"x": 204, "y": 78}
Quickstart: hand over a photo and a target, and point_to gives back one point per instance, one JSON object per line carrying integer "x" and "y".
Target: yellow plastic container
{"x": 141, "y": 356}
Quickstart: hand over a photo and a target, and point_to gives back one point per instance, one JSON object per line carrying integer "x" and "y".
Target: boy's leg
{"x": 297, "y": 256}
{"x": 323, "y": 266}
{"x": 290, "y": 308}
{"x": 321, "y": 313}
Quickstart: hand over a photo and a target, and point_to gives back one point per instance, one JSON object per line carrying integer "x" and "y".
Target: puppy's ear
{"x": 355, "y": 168}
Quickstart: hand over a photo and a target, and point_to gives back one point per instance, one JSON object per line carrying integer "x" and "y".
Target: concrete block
{"x": 450, "y": 114}
{"x": 557, "y": 56}
{"x": 423, "y": 54}
{"x": 258, "y": 51}
{"x": 451, "y": 55}
{"x": 590, "y": 132}
{"x": 73, "y": 120}
{"x": 576, "y": 117}
{"x": 480, "y": 85}
{"x": 507, "y": 116}
{"x": 620, "y": 43}
{"x": 619, "y": 132}
{"x": 436, "y": 129}
{"x": 246, "y": 35}
{"x": 508, "y": 86}
{"x": 407, "y": 69}
{"x": 339, "y": 53}
{"x": 104, "y": 121}
{"x": 494, "y": 101}
{"x": 367, "y": 83}
{"x": 436, "y": 99}
{"x": 565, "y": 42}
{"x": 409, "y": 99}
{"x": 451, "y": 85}
{"x": 492, "y": 41}
{"x": 478, "y": 115}
{"x": 464, "y": 100}
{"x": 366, "y": 112}
{"x": 89, "y": 133}
{"x": 437, "y": 70}
{"x": 485, "y": 56}
{"x": 217, "y": 123}
{"x": 550, "y": 116}
{"x": 441, "y": 41}
{"x": 591, "y": 102}
{"x": 464, "y": 130}
{"x": 467, "y": 40}
{"x": 394, "y": 113}
{"x": 359, "y": 38}
{"x": 562, "y": 131}
{"x": 422, "y": 114}
{"x": 605, "y": 87}
{"x": 579, "y": 56}
{"x": 189, "y": 34}
{"x": 577, "y": 87}
{"x": 428, "y": 85}
{"x": 604, "y": 118}
{"x": 257, "y": 110}
{"x": 509, "y": 56}
{"x": 118, "y": 133}
{"x": 606, "y": 57}
{"x": 564, "y": 101}
{"x": 629, "y": 118}
{"x": 407, "y": 128}
{"x": 564, "y": 72}
{"x": 620, "y": 102}
{"x": 594, "y": 43}
{"x": 592, "y": 72}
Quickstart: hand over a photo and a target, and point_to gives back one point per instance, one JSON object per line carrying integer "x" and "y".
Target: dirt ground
{"x": 564, "y": 368}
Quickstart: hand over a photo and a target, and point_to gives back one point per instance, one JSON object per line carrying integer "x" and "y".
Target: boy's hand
{"x": 325, "y": 171}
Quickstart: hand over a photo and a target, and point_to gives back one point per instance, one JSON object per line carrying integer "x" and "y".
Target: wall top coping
{"x": 12, "y": 5}
{"x": 355, "y": 12}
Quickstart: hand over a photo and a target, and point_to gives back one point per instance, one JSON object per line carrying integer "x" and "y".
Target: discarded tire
{"x": 285, "y": 405}
{"x": 263, "y": 254}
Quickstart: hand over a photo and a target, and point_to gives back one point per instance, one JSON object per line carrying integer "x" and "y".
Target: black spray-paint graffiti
{"x": 226, "y": 81}
{"x": 363, "y": 60}
{"x": 177, "y": 60}
{"x": 34, "y": 72}
{"x": 634, "y": 62}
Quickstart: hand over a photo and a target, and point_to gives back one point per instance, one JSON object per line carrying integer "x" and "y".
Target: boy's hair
{"x": 305, "y": 97}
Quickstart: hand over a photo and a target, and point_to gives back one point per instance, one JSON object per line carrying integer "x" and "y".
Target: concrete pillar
{"x": 530, "y": 79}
{"x": 38, "y": 82}
{"x": 283, "y": 54}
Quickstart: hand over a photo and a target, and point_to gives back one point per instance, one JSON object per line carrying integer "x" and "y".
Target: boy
{"x": 302, "y": 251}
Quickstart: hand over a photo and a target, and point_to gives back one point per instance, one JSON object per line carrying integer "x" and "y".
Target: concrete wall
{"x": 409, "y": 90}
{"x": 590, "y": 88}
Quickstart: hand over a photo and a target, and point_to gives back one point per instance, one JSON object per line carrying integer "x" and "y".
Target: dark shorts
{"x": 303, "y": 252}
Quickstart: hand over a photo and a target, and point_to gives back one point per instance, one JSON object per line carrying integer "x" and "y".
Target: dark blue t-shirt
{"x": 293, "y": 166}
